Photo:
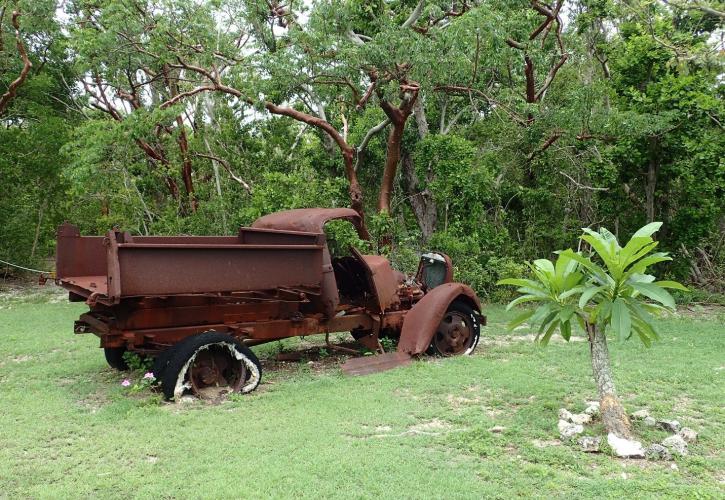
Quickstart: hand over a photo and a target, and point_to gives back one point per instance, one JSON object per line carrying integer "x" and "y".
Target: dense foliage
{"x": 490, "y": 130}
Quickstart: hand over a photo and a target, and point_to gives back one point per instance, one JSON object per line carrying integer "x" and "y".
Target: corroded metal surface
{"x": 421, "y": 322}
{"x": 310, "y": 220}
{"x": 375, "y": 364}
{"x": 271, "y": 281}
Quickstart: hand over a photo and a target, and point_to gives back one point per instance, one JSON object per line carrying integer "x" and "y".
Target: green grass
{"x": 68, "y": 428}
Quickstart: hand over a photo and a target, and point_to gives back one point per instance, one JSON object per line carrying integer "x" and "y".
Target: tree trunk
{"x": 186, "y": 166}
{"x": 392, "y": 157}
{"x": 651, "y": 182}
{"x": 614, "y": 417}
{"x": 424, "y": 207}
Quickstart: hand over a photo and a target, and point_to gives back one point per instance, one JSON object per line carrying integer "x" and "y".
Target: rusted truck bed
{"x": 196, "y": 304}
{"x": 108, "y": 269}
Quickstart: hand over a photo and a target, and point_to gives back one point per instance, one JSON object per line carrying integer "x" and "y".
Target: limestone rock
{"x": 590, "y": 444}
{"x": 669, "y": 425}
{"x": 688, "y": 435}
{"x": 592, "y": 408}
{"x": 649, "y": 421}
{"x": 567, "y": 430}
{"x": 657, "y": 452}
{"x": 676, "y": 445}
{"x": 640, "y": 415}
{"x": 581, "y": 418}
{"x": 564, "y": 414}
{"x": 625, "y": 448}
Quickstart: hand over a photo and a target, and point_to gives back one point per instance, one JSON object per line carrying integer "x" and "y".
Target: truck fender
{"x": 422, "y": 320}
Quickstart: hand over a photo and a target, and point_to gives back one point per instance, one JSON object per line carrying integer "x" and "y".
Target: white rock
{"x": 592, "y": 408}
{"x": 567, "y": 430}
{"x": 657, "y": 452}
{"x": 625, "y": 448}
{"x": 564, "y": 414}
{"x": 676, "y": 444}
{"x": 649, "y": 421}
{"x": 581, "y": 418}
{"x": 188, "y": 399}
{"x": 669, "y": 425}
{"x": 640, "y": 415}
{"x": 688, "y": 434}
{"x": 590, "y": 444}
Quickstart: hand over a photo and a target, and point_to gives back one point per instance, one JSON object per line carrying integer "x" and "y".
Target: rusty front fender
{"x": 421, "y": 322}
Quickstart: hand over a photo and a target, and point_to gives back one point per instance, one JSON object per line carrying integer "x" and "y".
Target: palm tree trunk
{"x": 614, "y": 417}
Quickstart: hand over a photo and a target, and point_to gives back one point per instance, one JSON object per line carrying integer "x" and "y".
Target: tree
{"x": 12, "y": 89}
{"x": 610, "y": 298}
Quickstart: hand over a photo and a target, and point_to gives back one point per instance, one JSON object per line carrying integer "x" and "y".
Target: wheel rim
{"x": 216, "y": 372}
{"x": 454, "y": 334}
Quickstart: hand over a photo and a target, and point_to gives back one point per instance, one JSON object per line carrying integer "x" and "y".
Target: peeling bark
{"x": 20, "y": 80}
{"x": 398, "y": 117}
{"x": 614, "y": 417}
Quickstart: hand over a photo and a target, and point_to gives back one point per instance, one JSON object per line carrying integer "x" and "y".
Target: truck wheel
{"x": 114, "y": 357}
{"x": 457, "y": 333}
{"x": 162, "y": 361}
{"x": 210, "y": 365}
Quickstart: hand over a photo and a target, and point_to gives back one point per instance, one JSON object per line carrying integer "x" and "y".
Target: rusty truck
{"x": 196, "y": 304}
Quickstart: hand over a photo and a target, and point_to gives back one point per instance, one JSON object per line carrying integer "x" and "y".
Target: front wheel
{"x": 210, "y": 365}
{"x": 457, "y": 333}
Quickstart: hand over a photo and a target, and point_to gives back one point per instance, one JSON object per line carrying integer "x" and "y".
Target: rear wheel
{"x": 210, "y": 365}
{"x": 114, "y": 357}
{"x": 162, "y": 361}
{"x": 457, "y": 333}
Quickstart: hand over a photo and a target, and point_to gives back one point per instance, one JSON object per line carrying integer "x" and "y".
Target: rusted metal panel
{"x": 383, "y": 281}
{"x": 164, "y": 270}
{"x": 374, "y": 364}
{"x": 310, "y": 220}
{"x": 76, "y": 256}
{"x": 421, "y": 322}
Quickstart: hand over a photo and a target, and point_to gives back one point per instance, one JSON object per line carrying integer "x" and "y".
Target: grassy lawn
{"x": 68, "y": 428}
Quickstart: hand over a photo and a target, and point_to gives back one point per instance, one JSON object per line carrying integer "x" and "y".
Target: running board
{"x": 374, "y": 364}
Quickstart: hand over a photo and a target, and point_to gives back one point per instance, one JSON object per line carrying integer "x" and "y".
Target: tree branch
{"x": 20, "y": 80}
{"x": 414, "y": 16}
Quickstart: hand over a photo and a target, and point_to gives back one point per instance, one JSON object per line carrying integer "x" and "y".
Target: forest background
{"x": 490, "y": 130}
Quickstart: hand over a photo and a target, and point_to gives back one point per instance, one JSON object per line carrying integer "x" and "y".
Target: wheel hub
{"x": 215, "y": 372}
{"x": 453, "y": 335}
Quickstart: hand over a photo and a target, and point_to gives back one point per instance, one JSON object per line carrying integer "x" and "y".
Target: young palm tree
{"x": 616, "y": 295}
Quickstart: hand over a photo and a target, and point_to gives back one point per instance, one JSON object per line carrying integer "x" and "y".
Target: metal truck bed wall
{"x": 107, "y": 269}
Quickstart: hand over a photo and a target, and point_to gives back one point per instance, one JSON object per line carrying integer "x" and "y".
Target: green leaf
{"x": 621, "y": 321}
{"x": 671, "y": 284}
{"x": 633, "y": 246}
{"x": 588, "y": 294}
{"x": 603, "y": 250}
{"x": 521, "y": 300}
{"x": 642, "y": 265}
{"x": 656, "y": 293}
{"x": 546, "y": 266}
{"x": 549, "y": 332}
{"x": 547, "y": 320}
{"x": 587, "y": 263}
{"x": 566, "y": 313}
{"x": 521, "y": 318}
{"x": 518, "y": 282}
{"x": 565, "y": 328}
{"x": 647, "y": 230}
{"x": 570, "y": 292}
